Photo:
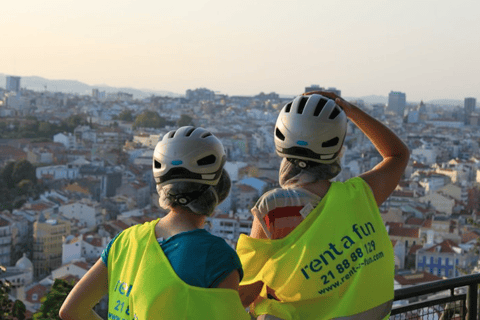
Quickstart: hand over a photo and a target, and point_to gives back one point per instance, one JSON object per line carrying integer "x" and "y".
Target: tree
{"x": 44, "y": 128}
{"x": 6, "y": 175}
{"x": 53, "y": 301}
{"x": 24, "y": 170}
{"x": 149, "y": 119}
{"x": 126, "y": 115}
{"x": 18, "y": 182}
{"x": 185, "y": 120}
{"x": 74, "y": 121}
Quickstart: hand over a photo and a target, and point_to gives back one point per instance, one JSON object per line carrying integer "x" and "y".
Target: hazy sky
{"x": 428, "y": 49}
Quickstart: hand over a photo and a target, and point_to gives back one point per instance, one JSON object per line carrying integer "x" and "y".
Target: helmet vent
{"x": 319, "y": 108}
{"x": 206, "y": 134}
{"x": 189, "y": 132}
{"x": 288, "y": 107}
{"x": 157, "y": 164}
{"x": 303, "y": 102}
{"x": 334, "y": 113}
{"x": 172, "y": 134}
{"x": 279, "y": 134}
{"x": 330, "y": 143}
{"x": 207, "y": 160}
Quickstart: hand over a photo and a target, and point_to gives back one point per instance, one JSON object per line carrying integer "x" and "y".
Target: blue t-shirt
{"x": 199, "y": 258}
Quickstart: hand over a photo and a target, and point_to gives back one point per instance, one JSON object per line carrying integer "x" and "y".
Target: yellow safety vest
{"x": 337, "y": 264}
{"x": 142, "y": 284}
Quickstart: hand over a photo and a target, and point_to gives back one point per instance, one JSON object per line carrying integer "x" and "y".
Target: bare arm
{"x": 231, "y": 281}
{"x": 86, "y": 294}
{"x": 384, "y": 177}
{"x": 249, "y": 293}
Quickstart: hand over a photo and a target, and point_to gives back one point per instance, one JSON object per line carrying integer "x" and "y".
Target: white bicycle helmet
{"x": 311, "y": 128}
{"x": 188, "y": 154}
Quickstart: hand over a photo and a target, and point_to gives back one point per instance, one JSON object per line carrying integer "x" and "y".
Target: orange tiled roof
{"x": 446, "y": 246}
{"x": 81, "y": 264}
{"x": 414, "y": 221}
{"x": 394, "y": 224}
{"x": 404, "y": 232}
{"x": 39, "y": 289}
{"x": 417, "y": 278}
{"x": 467, "y": 237}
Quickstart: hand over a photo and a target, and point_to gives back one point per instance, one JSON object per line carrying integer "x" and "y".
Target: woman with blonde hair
{"x": 170, "y": 268}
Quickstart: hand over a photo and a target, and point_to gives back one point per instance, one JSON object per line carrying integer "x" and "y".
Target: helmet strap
{"x": 184, "y": 199}
{"x": 302, "y": 164}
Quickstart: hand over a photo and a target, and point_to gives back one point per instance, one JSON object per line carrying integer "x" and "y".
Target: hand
{"x": 345, "y": 105}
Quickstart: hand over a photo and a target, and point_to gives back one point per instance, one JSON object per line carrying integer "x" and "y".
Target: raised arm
{"x": 384, "y": 177}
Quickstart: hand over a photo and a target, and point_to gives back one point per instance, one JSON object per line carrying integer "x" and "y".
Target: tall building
{"x": 47, "y": 244}
{"x": 5, "y": 242}
{"x": 201, "y": 94}
{"x": 316, "y": 87}
{"x": 469, "y": 107}
{"x": 397, "y": 102}
{"x": 13, "y": 84}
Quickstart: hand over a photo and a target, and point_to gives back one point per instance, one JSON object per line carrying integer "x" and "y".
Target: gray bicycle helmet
{"x": 188, "y": 154}
{"x": 311, "y": 128}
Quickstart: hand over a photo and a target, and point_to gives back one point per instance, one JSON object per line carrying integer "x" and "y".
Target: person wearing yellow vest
{"x": 170, "y": 268}
{"x": 319, "y": 249}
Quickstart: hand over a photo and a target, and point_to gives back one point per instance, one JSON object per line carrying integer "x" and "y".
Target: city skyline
{"x": 242, "y": 48}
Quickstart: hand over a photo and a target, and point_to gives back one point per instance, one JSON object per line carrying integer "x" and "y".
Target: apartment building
{"x": 47, "y": 244}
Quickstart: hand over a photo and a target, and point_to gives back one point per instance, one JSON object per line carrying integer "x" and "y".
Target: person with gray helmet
{"x": 318, "y": 249}
{"x": 170, "y": 268}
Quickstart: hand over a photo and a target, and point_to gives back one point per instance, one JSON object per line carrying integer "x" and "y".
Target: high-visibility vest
{"x": 142, "y": 284}
{"x": 337, "y": 264}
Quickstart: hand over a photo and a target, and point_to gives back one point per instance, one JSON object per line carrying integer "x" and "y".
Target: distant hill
{"x": 73, "y": 86}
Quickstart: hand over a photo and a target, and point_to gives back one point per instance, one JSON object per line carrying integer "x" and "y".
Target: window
{"x": 35, "y": 297}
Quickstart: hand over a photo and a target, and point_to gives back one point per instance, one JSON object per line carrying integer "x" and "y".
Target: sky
{"x": 428, "y": 49}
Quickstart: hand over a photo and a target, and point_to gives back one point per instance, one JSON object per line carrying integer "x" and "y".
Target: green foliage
{"x": 30, "y": 127}
{"x": 126, "y": 115}
{"x": 149, "y": 119}
{"x": 53, "y": 301}
{"x": 18, "y": 182}
{"x": 23, "y": 170}
{"x": 185, "y": 120}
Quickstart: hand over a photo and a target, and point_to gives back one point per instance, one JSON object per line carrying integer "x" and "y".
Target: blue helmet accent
{"x": 177, "y": 162}
{"x": 302, "y": 143}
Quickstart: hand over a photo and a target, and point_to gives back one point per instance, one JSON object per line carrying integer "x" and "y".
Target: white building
{"x": 86, "y": 211}
{"x": 230, "y": 226}
{"x": 20, "y": 275}
{"x": 76, "y": 268}
{"x": 425, "y": 154}
{"x": 85, "y": 133}
{"x": 58, "y": 172}
{"x": 68, "y": 140}
{"x": 84, "y": 247}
